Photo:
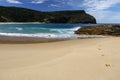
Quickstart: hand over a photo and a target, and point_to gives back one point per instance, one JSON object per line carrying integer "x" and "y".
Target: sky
{"x": 105, "y": 11}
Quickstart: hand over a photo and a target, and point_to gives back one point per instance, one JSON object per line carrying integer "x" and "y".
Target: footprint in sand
{"x": 102, "y": 55}
{"x": 107, "y": 65}
{"x": 99, "y": 49}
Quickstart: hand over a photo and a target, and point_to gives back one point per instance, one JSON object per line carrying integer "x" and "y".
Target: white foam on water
{"x": 66, "y": 30}
{"x": 19, "y": 29}
{"x": 41, "y": 35}
{"x": 50, "y": 36}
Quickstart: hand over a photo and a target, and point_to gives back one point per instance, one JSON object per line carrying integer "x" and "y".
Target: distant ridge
{"x": 16, "y": 14}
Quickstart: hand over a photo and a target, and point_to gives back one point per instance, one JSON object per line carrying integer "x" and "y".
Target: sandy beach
{"x": 78, "y": 59}
{"x": 21, "y": 23}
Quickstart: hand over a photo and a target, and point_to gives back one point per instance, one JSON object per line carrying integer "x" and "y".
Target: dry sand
{"x": 82, "y": 59}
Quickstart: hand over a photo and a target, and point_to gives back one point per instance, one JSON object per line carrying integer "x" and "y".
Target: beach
{"x": 21, "y": 23}
{"x": 77, "y": 59}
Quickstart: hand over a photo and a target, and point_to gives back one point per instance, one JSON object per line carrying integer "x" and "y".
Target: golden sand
{"x": 80, "y": 59}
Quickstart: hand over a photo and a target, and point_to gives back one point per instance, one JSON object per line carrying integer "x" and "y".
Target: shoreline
{"x": 25, "y": 40}
{"x": 34, "y": 39}
{"x": 21, "y": 23}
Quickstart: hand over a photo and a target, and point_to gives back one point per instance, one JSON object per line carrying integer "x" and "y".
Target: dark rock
{"x": 107, "y": 29}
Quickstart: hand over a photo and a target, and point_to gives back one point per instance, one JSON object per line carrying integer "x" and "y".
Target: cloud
{"x": 61, "y": 1}
{"x": 38, "y": 1}
{"x": 74, "y": 3}
{"x": 105, "y": 16}
{"x": 99, "y": 4}
{"x": 101, "y": 10}
{"x": 54, "y": 5}
{"x": 14, "y": 1}
{"x": 58, "y": 3}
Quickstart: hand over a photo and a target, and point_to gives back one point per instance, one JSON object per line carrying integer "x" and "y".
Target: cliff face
{"x": 14, "y": 14}
{"x": 78, "y": 16}
{"x": 108, "y": 29}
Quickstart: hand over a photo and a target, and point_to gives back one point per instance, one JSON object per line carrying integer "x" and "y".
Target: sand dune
{"x": 80, "y": 59}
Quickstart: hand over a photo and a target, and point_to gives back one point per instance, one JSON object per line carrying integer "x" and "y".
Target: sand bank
{"x": 21, "y": 23}
{"x": 80, "y": 59}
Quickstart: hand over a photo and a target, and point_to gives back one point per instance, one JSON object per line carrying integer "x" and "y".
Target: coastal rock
{"x": 106, "y": 29}
{"x": 15, "y": 14}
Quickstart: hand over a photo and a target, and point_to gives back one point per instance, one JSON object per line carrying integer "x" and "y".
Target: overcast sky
{"x": 105, "y": 11}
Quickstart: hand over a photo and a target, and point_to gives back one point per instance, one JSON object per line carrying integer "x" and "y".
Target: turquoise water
{"x": 40, "y": 30}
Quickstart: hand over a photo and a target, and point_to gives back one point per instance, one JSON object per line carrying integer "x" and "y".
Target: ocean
{"x": 61, "y": 31}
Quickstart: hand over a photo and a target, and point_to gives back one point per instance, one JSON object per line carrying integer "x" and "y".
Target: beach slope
{"x": 80, "y": 59}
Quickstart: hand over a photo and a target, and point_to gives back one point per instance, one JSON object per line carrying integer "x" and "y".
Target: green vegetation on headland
{"x": 106, "y": 29}
{"x": 15, "y": 14}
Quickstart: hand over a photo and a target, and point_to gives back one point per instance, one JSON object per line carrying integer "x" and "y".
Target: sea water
{"x": 41, "y": 30}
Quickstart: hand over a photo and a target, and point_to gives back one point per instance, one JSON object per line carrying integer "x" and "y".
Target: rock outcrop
{"x": 15, "y": 14}
{"x": 107, "y": 29}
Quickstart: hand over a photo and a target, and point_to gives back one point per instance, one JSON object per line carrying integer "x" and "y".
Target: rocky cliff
{"x": 15, "y": 14}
